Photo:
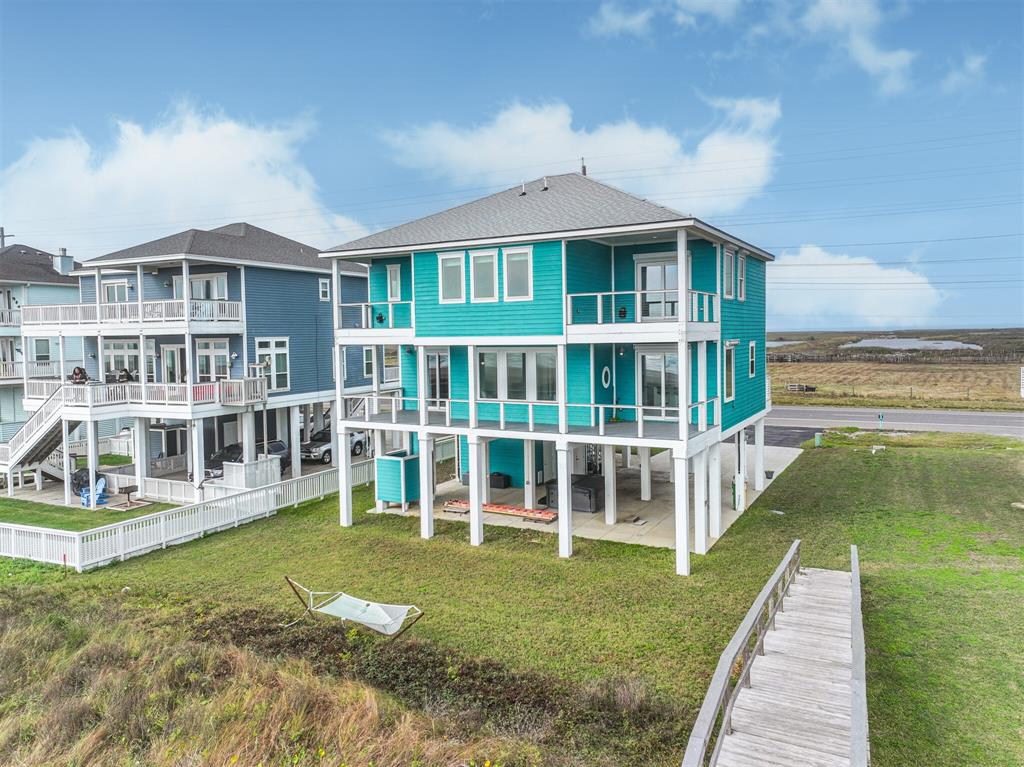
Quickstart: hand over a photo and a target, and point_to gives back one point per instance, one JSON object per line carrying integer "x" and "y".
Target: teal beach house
{"x": 565, "y": 333}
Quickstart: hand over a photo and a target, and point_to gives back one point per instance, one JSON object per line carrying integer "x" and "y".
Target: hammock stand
{"x": 390, "y": 620}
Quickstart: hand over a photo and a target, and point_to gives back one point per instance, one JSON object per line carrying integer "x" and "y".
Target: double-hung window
{"x": 752, "y": 362}
{"x": 367, "y": 362}
{"x": 42, "y": 349}
{"x": 741, "y": 278}
{"x": 115, "y": 292}
{"x": 325, "y": 288}
{"x": 394, "y": 282}
{"x": 730, "y": 371}
{"x": 272, "y": 353}
{"x": 452, "y": 278}
{"x": 212, "y": 360}
{"x": 483, "y": 276}
{"x": 728, "y": 268}
{"x": 392, "y": 371}
{"x": 518, "y": 274}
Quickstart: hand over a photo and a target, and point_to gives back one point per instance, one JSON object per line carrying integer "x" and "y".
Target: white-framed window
{"x": 451, "y": 279}
{"x": 741, "y": 278}
{"x": 517, "y": 374}
{"x": 394, "y": 282}
{"x": 273, "y": 354}
{"x": 42, "y": 349}
{"x": 213, "y": 361}
{"x": 367, "y": 362}
{"x": 204, "y": 287}
{"x": 728, "y": 268}
{"x": 730, "y": 371}
{"x": 325, "y": 288}
{"x": 115, "y": 292}
{"x": 752, "y": 362}
{"x": 518, "y": 274}
{"x": 392, "y": 368}
{"x": 483, "y": 276}
{"x": 120, "y": 355}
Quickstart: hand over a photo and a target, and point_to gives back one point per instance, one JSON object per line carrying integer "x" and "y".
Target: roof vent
{"x": 523, "y": 192}
{"x": 583, "y": 166}
{"x": 545, "y": 187}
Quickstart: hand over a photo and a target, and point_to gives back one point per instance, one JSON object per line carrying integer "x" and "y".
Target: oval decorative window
{"x": 606, "y": 377}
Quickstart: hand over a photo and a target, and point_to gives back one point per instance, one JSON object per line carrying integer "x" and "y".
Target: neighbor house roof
{"x": 568, "y": 202}
{"x": 23, "y": 263}
{"x": 233, "y": 242}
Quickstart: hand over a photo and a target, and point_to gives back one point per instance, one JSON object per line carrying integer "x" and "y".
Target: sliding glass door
{"x": 659, "y": 385}
{"x": 659, "y": 281}
{"x": 438, "y": 380}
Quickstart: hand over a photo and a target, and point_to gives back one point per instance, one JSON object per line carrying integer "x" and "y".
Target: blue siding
{"x": 541, "y": 316}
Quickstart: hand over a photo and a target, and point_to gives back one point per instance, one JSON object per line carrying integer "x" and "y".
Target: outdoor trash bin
{"x": 499, "y": 480}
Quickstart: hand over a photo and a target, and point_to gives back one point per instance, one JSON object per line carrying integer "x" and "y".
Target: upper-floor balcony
{"x": 175, "y": 312}
{"x": 654, "y": 313}
{"x": 180, "y": 397}
{"x": 377, "y": 320}
{"x": 10, "y": 318}
{"x": 11, "y": 372}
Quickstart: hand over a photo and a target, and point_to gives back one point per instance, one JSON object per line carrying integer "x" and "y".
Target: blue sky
{"x": 818, "y": 129}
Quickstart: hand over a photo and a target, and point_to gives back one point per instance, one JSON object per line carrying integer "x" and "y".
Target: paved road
{"x": 983, "y": 422}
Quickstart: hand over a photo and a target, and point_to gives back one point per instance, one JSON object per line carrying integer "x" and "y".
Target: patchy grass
{"x": 21, "y": 512}
{"x": 852, "y": 436}
{"x": 605, "y": 657}
{"x": 878, "y": 384}
{"x": 107, "y": 459}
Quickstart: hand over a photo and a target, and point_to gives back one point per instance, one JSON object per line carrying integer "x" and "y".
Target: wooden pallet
{"x": 460, "y": 506}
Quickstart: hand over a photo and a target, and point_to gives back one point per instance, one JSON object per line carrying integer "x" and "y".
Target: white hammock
{"x": 382, "y": 618}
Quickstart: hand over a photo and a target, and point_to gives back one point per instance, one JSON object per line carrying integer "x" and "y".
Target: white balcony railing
{"x": 10, "y": 370}
{"x": 51, "y": 368}
{"x": 128, "y": 312}
{"x": 244, "y": 391}
{"x": 10, "y": 318}
{"x": 703, "y": 307}
{"x": 628, "y": 306}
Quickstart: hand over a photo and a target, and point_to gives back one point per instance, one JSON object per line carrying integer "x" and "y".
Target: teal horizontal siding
{"x": 744, "y": 321}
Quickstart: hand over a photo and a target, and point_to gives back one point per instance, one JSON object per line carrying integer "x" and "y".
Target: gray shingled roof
{"x": 571, "y": 202}
{"x": 239, "y": 241}
{"x": 23, "y": 263}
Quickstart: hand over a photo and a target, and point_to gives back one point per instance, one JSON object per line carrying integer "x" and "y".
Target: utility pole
{"x": 3, "y": 238}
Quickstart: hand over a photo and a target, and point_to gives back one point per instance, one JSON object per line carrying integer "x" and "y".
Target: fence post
{"x": 120, "y": 540}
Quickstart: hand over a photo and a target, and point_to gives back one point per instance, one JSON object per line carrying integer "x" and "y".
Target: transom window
{"x": 272, "y": 353}
{"x": 483, "y": 275}
{"x": 518, "y": 274}
{"x": 728, "y": 267}
{"x": 115, "y": 292}
{"x": 730, "y": 371}
{"x": 452, "y": 278}
{"x": 526, "y": 375}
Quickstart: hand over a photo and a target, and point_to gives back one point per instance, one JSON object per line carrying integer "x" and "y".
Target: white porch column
{"x": 608, "y": 466}
{"x": 740, "y": 478}
{"x": 560, "y": 389}
{"x": 715, "y": 490}
{"x": 529, "y": 473}
{"x": 198, "y": 451}
{"x": 344, "y": 480}
{"x": 307, "y": 421}
{"x": 471, "y": 369}
{"x": 426, "y": 485}
{"x": 248, "y": 419}
{"x": 702, "y": 383}
{"x": 627, "y": 452}
{"x": 682, "y": 521}
{"x": 759, "y": 454}
{"x": 63, "y": 358}
{"x": 10, "y": 482}
{"x": 318, "y": 417}
{"x": 92, "y": 452}
{"x": 339, "y": 410}
{"x": 700, "y": 502}
{"x": 378, "y": 449}
{"x": 645, "y": 473}
{"x": 38, "y": 477}
{"x": 564, "y": 451}
{"x": 421, "y": 384}
{"x": 476, "y": 512}
{"x": 486, "y": 471}
{"x": 280, "y": 424}
{"x": 140, "y": 450}
{"x": 186, "y": 288}
{"x": 66, "y": 463}
{"x": 685, "y": 393}
{"x": 294, "y": 440}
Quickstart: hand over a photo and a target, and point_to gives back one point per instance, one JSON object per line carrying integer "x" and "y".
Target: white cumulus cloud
{"x": 611, "y": 20}
{"x": 839, "y": 290}
{"x": 967, "y": 72}
{"x": 735, "y": 160}
{"x": 855, "y": 24}
{"x": 688, "y": 12}
{"x": 193, "y": 169}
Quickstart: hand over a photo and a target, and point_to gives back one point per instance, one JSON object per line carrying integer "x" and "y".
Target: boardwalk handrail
{"x": 715, "y": 714}
{"x": 860, "y": 750}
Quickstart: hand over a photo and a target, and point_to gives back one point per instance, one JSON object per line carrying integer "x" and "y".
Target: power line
{"x": 901, "y": 242}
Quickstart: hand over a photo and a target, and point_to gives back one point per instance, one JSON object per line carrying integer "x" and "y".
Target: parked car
{"x": 319, "y": 446}
{"x": 233, "y": 454}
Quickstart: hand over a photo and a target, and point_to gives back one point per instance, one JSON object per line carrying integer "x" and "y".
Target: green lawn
{"x": 107, "y": 459}
{"x": 21, "y": 512}
{"x": 942, "y": 552}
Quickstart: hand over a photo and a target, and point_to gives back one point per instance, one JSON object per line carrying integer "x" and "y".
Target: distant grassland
{"x": 994, "y": 342}
{"x": 879, "y": 384}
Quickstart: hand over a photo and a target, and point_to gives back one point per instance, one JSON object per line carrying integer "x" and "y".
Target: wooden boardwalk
{"x": 797, "y": 709}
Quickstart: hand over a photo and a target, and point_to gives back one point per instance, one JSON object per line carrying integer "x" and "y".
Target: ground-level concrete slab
{"x": 655, "y": 525}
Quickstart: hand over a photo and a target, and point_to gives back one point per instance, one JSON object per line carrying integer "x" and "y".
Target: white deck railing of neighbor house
{"x": 235, "y": 391}
{"x": 127, "y": 312}
{"x": 10, "y": 318}
{"x": 10, "y": 370}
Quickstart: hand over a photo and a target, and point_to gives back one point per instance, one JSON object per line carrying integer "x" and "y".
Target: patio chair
{"x": 390, "y": 620}
{"x": 101, "y": 494}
